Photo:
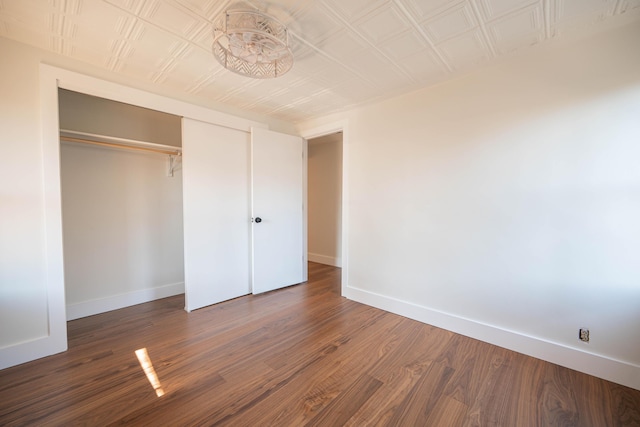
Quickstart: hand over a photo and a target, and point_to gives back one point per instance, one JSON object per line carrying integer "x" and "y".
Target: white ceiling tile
{"x": 382, "y": 23}
{"x": 194, "y": 62}
{"x": 133, "y": 6}
{"x": 199, "y": 84}
{"x": 450, "y": 23}
{"x": 421, "y": 9}
{"x": 317, "y": 24}
{"x": 309, "y": 88}
{"x": 342, "y": 46}
{"x": 464, "y": 51}
{"x": 572, "y": 16}
{"x": 153, "y": 47}
{"x": 569, "y": 9}
{"x": 303, "y": 98}
{"x": 423, "y": 66}
{"x": 493, "y": 8}
{"x": 332, "y": 74}
{"x": 271, "y": 101}
{"x": 203, "y": 37}
{"x": 355, "y": 89}
{"x": 89, "y": 55}
{"x": 300, "y": 51}
{"x": 240, "y": 98}
{"x": 303, "y": 104}
{"x": 4, "y": 29}
{"x": 295, "y": 82}
{"x": 511, "y": 30}
{"x": 311, "y": 64}
{"x": 70, "y": 7}
{"x": 91, "y": 45}
{"x": 321, "y": 68}
{"x": 206, "y": 8}
{"x": 121, "y": 42}
{"x": 209, "y": 88}
{"x": 289, "y": 86}
{"x": 99, "y": 26}
{"x": 295, "y": 99}
{"x": 173, "y": 18}
{"x": 319, "y": 79}
{"x": 62, "y": 25}
{"x": 403, "y": 45}
{"x": 331, "y": 98}
{"x": 628, "y": 5}
{"x": 378, "y": 71}
{"x": 134, "y": 69}
{"x": 286, "y": 110}
{"x": 368, "y": 62}
{"x": 229, "y": 83}
{"x": 261, "y": 108}
{"x": 285, "y": 11}
{"x": 353, "y": 9}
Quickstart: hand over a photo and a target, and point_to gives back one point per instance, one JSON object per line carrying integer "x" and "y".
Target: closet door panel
{"x": 216, "y": 162}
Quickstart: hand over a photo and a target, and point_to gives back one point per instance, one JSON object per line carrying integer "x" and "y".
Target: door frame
{"x": 324, "y": 130}
{"x": 51, "y": 79}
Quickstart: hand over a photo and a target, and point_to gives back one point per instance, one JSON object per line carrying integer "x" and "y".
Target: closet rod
{"x": 110, "y": 144}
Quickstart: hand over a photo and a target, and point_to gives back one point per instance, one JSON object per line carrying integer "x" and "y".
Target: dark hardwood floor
{"x": 298, "y": 356}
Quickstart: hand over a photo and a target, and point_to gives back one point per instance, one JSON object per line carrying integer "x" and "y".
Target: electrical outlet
{"x": 583, "y": 334}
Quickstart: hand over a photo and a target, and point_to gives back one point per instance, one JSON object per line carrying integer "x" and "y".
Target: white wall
{"x": 504, "y": 205}
{"x": 324, "y": 199}
{"x": 122, "y": 228}
{"x": 91, "y": 114}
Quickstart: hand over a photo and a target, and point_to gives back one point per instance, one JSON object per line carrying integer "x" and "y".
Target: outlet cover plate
{"x": 583, "y": 334}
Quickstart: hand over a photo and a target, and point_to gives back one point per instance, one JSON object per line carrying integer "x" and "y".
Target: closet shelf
{"x": 115, "y": 142}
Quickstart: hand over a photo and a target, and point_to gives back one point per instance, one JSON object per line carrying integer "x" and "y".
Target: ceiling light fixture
{"x": 252, "y": 44}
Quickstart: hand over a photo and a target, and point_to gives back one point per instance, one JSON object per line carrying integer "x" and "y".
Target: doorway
{"x": 325, "y": 199}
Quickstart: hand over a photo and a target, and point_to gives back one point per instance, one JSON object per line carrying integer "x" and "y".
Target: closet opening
{"x": 121, "y": 187}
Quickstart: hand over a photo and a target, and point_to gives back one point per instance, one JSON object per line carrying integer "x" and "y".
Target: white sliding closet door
{"x": 216, "y": 200}
{"x": 278, "y": 206}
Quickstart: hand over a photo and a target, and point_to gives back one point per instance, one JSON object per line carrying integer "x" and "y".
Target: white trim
{"x": 326, "y": 129}
{"x": 56, "y": 339}
{"x": 96, "y": 87}
{"x": 102, "y": 305}
{"x": 27, "y": 351}
{"x": 324, "y": 259}
{"x": 600, "y": 366}
{"x": 305, "y": 210}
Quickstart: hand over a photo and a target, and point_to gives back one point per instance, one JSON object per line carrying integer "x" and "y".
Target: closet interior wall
{"x": 122, "y": 213}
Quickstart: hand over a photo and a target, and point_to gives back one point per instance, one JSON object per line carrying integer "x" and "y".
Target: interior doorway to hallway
{"x": 324, "y": 197}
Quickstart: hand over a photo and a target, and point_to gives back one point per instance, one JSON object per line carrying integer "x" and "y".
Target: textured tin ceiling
{"x": 348, "y": 52}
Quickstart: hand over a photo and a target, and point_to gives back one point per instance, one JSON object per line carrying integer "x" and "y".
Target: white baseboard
{"x": 597, "y": 365}
{"x": 24, "y": 352}
{"x": 323, "y": 259}
{"x": 96, "y": 306}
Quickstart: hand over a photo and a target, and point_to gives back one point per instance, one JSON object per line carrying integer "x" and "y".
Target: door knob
{"x": 258, "y": 220}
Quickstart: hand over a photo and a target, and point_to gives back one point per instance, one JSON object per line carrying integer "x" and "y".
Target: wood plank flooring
{"x": 294, "y": 357}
